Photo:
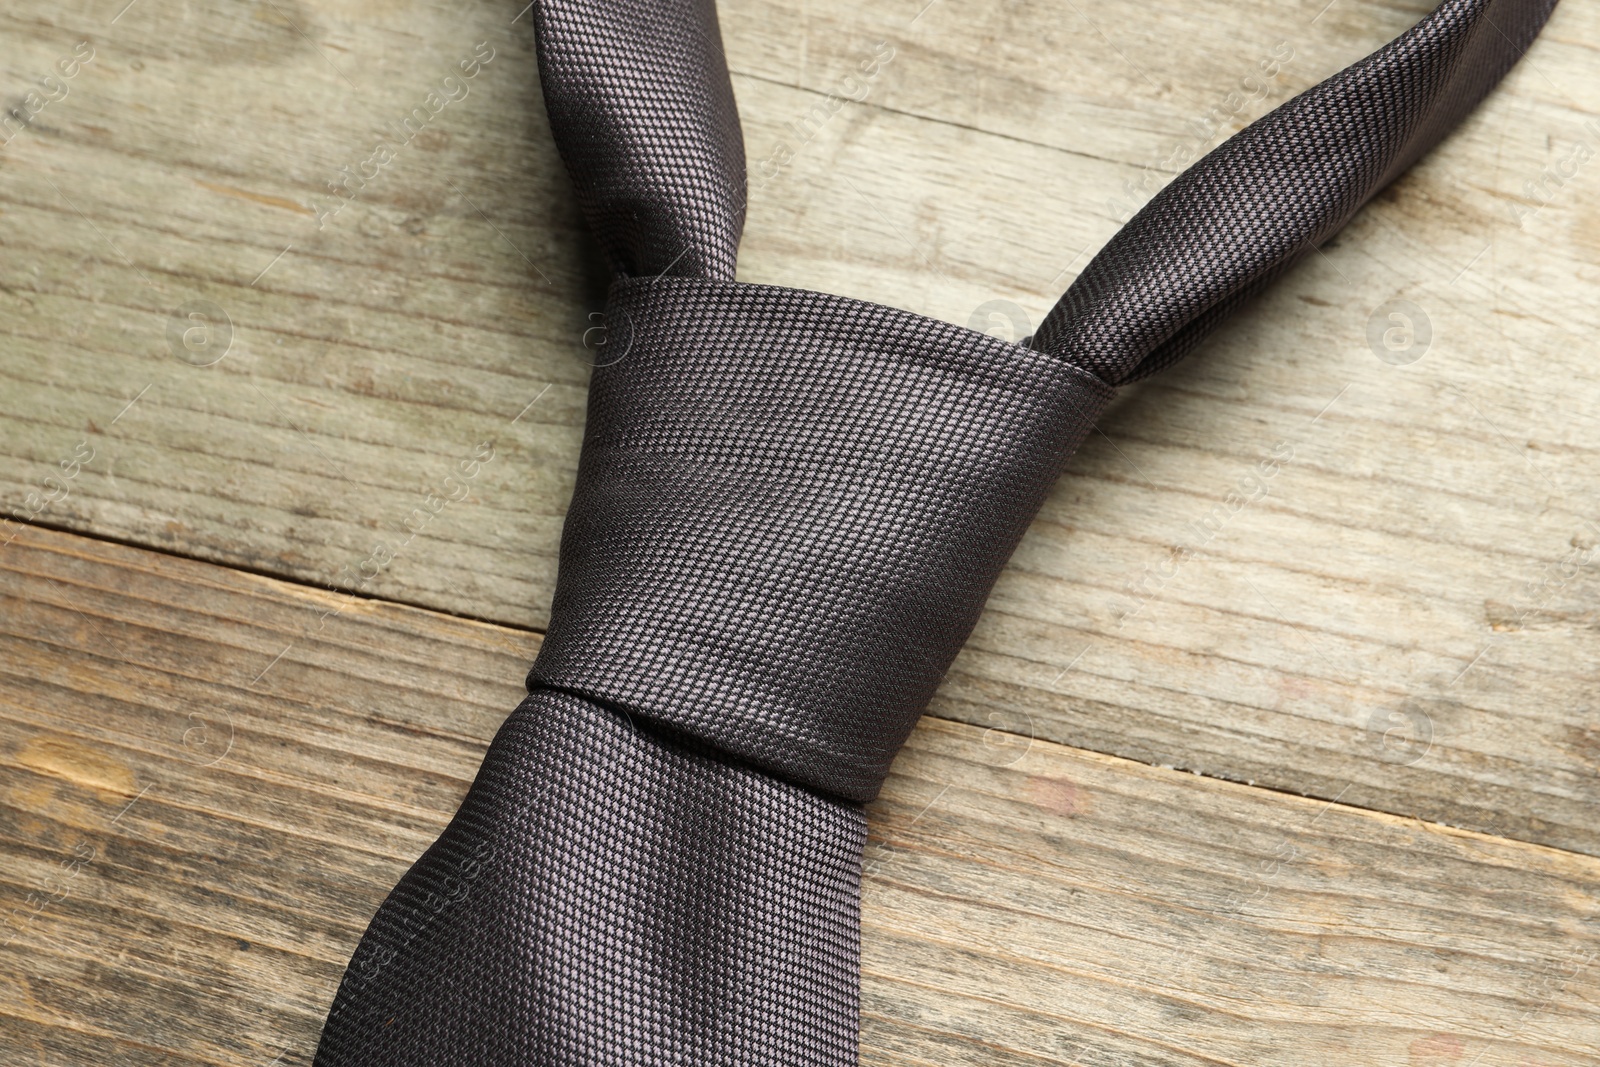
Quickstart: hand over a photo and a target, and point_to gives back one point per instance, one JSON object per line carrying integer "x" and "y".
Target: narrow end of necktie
{"x": 1238, "y": 219}
{"x": 642, "y": 109}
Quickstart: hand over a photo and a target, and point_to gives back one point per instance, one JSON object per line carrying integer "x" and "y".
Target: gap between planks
{"x": 1112, "y": 759}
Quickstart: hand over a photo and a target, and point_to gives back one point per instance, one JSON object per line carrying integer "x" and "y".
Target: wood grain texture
{"x": 208, "y": 781}
{"x": 1401, "y": 614}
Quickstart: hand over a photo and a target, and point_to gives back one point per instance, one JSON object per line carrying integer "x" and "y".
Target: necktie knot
{"x": 790, "y": 509}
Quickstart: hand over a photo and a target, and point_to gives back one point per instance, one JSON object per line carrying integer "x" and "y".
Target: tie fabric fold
{"x": 789, "y": 511}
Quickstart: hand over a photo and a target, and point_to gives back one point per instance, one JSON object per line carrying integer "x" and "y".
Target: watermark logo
{"x": 608, "y": 340}
{"x": 208, "y": 739}
{"x": 854, "y": 86}
{"x": 1402, "y": 735}
{"x": 199, "y": 333}
{"x": 1399, "y": 332}
{"x": 353, "y": 178}
{"x": 1202, "y": 132}
{"x": 52, "y": 88}
{"x": 1540, "y": 192}
{"x": 1002, "y": 319}
{"x": 1008, "y": 737}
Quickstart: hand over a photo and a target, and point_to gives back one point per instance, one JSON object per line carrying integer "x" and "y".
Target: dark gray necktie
{"x": 790, "y": 508}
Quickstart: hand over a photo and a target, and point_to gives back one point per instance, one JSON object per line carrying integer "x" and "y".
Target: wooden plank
{"x": 1418, "y": 567}
{"x": 201, "y": 803}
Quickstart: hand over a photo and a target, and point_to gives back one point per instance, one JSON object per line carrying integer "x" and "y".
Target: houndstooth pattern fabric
{"x": 790, "y": 508}
{"x": 1227, "y": 226}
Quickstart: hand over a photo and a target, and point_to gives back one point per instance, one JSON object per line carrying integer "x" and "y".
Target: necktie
{"x": 789, "y": 510}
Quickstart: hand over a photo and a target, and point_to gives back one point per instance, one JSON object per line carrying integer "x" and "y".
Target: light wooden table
{"x": 1299, "y": 770}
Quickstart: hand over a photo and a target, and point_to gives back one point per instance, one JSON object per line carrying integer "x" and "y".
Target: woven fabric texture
{"x": 789, "y": 511}
{"x": 642, "y": 110}
{"x": 608, "y": 897}
{"x": 790, "y": 508}
{"x": 1227, "y": 226}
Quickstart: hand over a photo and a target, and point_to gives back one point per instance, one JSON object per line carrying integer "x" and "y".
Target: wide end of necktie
{"x": 610, "y": 895}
